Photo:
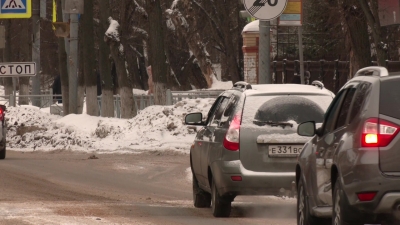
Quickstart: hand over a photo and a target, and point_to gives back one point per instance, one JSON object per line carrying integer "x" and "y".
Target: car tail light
{"x": 378, "y": 132}
{"x": 1, "y": 114}
{"x": 236, "y": 178}
{"x": 231, "y": 140}
{"x": 366, "y": 196}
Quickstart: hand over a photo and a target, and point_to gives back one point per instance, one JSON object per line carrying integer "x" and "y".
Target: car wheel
{"x": 221, "y": 207}
{"x": 342, "y": 214}
{"x": 337, "y": 209}
{"x": 3, "y": 150}
{"x": 303, "y": 214}
{"x": 3, "y": 154}
{"x": 201, "y": 199}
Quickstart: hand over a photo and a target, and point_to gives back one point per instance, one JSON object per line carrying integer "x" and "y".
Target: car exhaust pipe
{"x": 397, "y": 208}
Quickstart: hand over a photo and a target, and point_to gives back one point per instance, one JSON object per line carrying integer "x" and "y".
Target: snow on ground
{"x": 218, "y": 85}
{"x": 154, "y": 128}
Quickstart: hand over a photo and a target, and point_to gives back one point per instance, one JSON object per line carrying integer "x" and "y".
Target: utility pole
{"x": 36, "y": 50}
{"x": 73, "y": 64}
{"x": 65, "y": 19}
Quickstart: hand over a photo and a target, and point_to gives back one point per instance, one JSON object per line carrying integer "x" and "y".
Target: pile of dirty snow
{"x": 155, "y": 128}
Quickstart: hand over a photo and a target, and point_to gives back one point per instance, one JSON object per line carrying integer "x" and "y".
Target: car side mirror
{"x": 194, "y": 119}
{"x": 307, "y": 129}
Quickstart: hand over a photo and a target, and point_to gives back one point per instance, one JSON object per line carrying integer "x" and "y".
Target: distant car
{"x": 350, "y": 169}
{"x": 248, "y": 143}
{"x": 3, "y": 132}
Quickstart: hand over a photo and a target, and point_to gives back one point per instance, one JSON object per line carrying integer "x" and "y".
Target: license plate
{"x": 284, "y": 150}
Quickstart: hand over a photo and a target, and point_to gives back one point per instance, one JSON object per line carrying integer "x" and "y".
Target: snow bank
{"x": 154, "y": 128}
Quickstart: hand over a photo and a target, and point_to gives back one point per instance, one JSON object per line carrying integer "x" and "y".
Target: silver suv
{"x": 350, "y": 169}
{"x": 248, "y": 143}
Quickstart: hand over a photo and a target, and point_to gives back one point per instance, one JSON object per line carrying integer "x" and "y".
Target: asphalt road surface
{"x": 150, "y": 188}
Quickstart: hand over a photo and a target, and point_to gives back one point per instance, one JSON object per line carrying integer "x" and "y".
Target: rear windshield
{"x": 390, "y": 98}
{"x": 295, "y": 109}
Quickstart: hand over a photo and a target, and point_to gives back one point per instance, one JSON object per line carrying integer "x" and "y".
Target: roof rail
{"x": 318, "y": 83}
{"x": 373, "y": 71}
{"x": 242, "y": 85}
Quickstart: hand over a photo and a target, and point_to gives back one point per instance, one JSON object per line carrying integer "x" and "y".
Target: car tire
{"x": 342, "y": 214}
{"x": 303, "y": 212}
{"x": 201, "y": 199}
{"x": 221, "y": 207}
{"x": 3, "y": 150}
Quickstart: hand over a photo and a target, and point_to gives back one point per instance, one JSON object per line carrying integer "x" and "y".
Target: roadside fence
{"x": 47, "y": 99}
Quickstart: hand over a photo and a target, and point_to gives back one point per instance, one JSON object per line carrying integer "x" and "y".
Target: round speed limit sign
{"x": 265, "y": 9}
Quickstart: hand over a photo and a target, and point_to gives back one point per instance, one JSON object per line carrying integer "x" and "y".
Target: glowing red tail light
{"x": 1, "y": 114}
{"x": 231, "y": 140}
{"x": 366, "y": 196}
{"x": 378, "y": 133}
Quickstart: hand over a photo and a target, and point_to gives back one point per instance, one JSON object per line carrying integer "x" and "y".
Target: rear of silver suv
{"x": 352, "y": 163}
{"x": 248, "y": 143}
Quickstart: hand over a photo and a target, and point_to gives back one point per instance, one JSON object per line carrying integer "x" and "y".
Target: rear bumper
{"x": 388, "y": 203}
{"x": 387, "y": 187}
{"x": 252, "y": 183}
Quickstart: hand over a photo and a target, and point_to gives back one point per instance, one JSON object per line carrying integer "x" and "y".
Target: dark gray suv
{"x": 248, "y": 144}
{"x": 350, "y": 169}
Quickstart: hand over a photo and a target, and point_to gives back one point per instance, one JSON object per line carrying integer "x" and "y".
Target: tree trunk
{"x": 357, "y": 35}
{"x": 107, "y": 96}
{"x": 228, "y": 24}
{"x": 8, "y": 85}
{"x": 158, "y": 60}
{"x": 90, "y": 77}
{"x": 194, "y": 41}
{"x": 62, "y": 65}
{"x": 81, "y": 77}
{"x": 25, "y": 56}
{"x": 142, "y": 66}
{"x": 125, "y": 89}
{"x": 371, "y": 12}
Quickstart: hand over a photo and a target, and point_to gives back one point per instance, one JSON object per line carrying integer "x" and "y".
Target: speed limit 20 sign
{"x": 265, "y": 9}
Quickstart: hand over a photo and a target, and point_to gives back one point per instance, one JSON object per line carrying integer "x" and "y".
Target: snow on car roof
{"x": 288, "y": 89}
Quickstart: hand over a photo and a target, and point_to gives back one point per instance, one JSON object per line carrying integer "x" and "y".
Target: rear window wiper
{"x": 272, "y": 124}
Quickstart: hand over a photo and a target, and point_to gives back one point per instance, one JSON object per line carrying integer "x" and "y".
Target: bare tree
{"x": 107, "y": 98}
{"x": 158, "y": 59}
{"x": 81, "y": 76}
{"x": 8, "y": 85}
{"x": 62, "y": 64}
{"x": 89, "y": 58}
{"x": 186, "y": 26}
{"x": 370, "y": 8}
{"x": 117, "y": 52}
{"x": 357, "y": 37}
{"x": 24, "y": 56}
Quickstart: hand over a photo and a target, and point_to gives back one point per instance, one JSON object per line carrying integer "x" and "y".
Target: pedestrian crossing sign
{"x": 13, "y": 9}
